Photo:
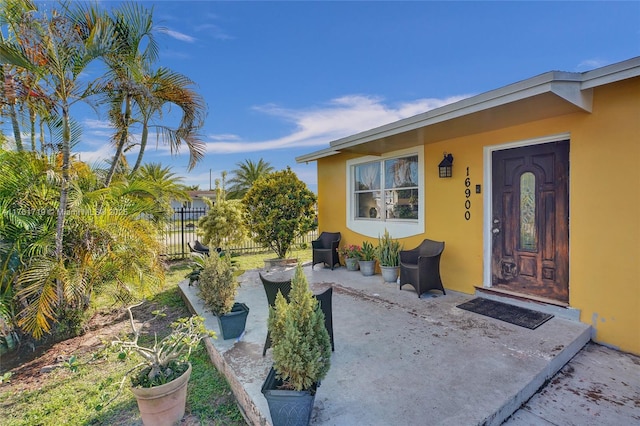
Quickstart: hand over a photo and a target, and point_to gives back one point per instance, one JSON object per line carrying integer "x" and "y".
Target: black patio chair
{"x": 325, "y": 305}
{"x": 198, "y": 247}
{"x": 420, "y": 267}
{"x": 325, "y": 249}
{"x": 271, "y": 288}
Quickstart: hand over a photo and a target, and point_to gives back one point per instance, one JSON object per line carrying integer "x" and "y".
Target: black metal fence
{"x": 182, "y": 228}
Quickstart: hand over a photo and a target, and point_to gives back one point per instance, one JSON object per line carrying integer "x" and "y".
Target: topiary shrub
{"x": 300, "y": 341}
{"x": 217, "y": 284}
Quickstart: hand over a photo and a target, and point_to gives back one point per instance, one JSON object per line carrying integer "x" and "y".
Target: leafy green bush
{"x": 278, "y": 208}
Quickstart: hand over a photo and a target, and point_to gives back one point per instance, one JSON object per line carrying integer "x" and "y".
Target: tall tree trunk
{"x": 32, "y": 119}
{"x": 16, "y": 126}
{"x": 143, "y": 145}
{"x": 64, "y": 194}
{"x": 42, "y": 143}
{"x": 121, "y": 142}
{"x": 11, "y": 96}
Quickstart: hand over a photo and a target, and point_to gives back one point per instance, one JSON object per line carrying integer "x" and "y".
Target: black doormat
{"x": 503, "y": 311}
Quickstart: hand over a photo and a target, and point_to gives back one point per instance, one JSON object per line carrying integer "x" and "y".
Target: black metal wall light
{"x": 445, "y": 167}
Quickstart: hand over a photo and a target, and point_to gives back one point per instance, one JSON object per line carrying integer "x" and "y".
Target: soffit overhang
{"x": 547, "y": 95}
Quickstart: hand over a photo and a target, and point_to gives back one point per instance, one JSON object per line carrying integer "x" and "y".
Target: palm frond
{"x": 37, "y": 291}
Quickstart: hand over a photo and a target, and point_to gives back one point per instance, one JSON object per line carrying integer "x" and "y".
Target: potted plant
{"x": 160, "y": 381}
{"x": 301, "y": 354}
{"x": 388, "y": 254}
{"x": 367, "y": 260}
{"x": 351, "y": 255}
{"x": 218, "y": 287}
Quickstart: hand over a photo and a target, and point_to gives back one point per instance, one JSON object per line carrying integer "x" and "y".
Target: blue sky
{"x": 282, "y": 79}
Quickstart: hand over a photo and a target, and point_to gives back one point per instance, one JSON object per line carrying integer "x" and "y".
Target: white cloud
{"x": 98, "y": 156}
{"x": 313, "y": 127}
{"x": 215, "y": 31}
{"x": 318, "y": 126}
{"x": 179, "y": 36}
{"x": 224, "y": 137}
{"x": 590, "y": 64}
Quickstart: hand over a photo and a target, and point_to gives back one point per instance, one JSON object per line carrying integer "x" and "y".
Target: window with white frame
{"x": 386, "y": 190}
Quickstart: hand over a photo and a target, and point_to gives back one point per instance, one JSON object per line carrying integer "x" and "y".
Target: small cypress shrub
{"x": 300, "y": 341}
{"x": 217, "y": 284}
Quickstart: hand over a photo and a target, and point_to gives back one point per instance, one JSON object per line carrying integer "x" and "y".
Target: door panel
{"x": 531, "y": 220}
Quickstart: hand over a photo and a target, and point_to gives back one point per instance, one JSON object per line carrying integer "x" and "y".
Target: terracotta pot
{"x": 163, "y": 405}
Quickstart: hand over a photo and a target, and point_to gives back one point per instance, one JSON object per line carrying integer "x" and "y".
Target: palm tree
{"x": 135, "y": 48}
{"x": 108, "y": 246}
{"x": 14, "y": 15}
{"x": 26, "y": 230}
{"x": 161, "y": 186}
{"x": 245, "y": 176}
{"x": 61, "y": 57}
{"x": 166, "y": 87}
{"x": 137, "y": 95}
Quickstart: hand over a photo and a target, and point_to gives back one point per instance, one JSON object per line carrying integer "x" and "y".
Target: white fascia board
{"x": 572, "y": 87}
{"x": 316, "y": 155}
{"x": 564, "y": 84}
{"x": 611, "y": 73}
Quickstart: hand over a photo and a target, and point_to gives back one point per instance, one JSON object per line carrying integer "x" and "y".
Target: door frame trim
{"x": 487, "y": 199}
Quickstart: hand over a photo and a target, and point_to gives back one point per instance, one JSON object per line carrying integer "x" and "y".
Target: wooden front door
{"x": 530, "y": 224}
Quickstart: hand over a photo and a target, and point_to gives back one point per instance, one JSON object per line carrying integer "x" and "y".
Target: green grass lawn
{"x": 256, "y": 261}
{"x": 70, "y": 394}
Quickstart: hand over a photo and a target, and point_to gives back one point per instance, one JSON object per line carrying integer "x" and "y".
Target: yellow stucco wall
{"x": 604, "y": 226}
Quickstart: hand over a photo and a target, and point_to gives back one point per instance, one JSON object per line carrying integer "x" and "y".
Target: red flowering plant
{"x": 351, "y": 251}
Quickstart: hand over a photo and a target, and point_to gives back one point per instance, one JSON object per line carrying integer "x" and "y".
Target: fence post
{"x": 182, "y": 230}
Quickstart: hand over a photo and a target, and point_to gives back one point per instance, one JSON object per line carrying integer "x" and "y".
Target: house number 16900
{"x": 467, "y": 196}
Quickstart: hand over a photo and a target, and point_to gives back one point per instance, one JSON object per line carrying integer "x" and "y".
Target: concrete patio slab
{"x": 400, "y": 359}
{"x": 599, "y": 386}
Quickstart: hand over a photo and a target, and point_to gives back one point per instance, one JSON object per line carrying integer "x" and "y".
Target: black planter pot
{"x": 288, "y": 407}
{"x": 232, "y": 324}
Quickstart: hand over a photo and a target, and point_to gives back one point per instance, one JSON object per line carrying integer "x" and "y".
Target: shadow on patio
{"x": 397, "y": 356}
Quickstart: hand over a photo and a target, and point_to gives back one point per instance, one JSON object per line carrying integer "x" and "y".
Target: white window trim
{"x": 375, "y": 228}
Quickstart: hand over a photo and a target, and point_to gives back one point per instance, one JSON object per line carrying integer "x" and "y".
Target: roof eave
{"x": 571, "y": 89}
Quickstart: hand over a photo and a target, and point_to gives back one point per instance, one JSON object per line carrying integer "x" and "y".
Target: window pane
{"x": 401, "y": 172}
{"x": 405, "y": 204}
{"x": 367, "y": 176}
{"x": 528, "y": 211}
{"x": 367, "y": 205}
